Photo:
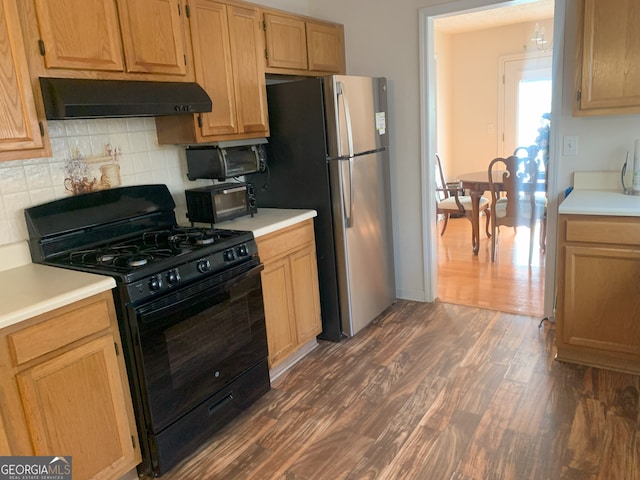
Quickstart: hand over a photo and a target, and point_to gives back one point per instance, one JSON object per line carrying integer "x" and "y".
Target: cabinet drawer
{"x": 618, "y": 231}
{"x": 284, "y": 241}
{"x": 58, "y": 331}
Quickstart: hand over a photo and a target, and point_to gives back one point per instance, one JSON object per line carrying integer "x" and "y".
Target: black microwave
{"x": 221, "y": 202}
{"x": 223, "y": 161}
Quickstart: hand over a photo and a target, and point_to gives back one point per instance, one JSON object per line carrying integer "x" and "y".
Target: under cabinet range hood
{"x": 67, "y": 98}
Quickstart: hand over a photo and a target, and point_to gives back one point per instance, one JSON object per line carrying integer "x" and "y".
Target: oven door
{"x": 196, "y": 340}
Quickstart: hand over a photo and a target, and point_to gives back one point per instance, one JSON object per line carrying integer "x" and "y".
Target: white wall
{"x": 382, "y": 39}
{"x": 444, "y": 102}
{"x": 296, "y": 6}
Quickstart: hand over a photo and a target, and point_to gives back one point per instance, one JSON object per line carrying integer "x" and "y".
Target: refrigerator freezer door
{"x": 356, "y": 110}
{"x": 364, "y": 249}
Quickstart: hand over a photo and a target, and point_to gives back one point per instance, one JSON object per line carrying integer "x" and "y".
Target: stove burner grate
{"x": 180, "y": 237}
{"x": 123, "y": 256}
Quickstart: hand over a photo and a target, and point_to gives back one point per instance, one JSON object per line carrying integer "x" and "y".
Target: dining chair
{"x": 530, "y": 154}
{"x": 451, "y": 200}
{"x": 519, "y": 206}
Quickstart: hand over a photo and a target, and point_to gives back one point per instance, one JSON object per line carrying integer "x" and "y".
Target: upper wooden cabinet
{"x": 286, "y": 41}
{"x": 303, "y": 46}
{"x": 607, "y": 75}
{"x": 325, "y": 47}
{"x": 107, "y": 38}
{"x": 20, "y": 128}
{"x": 228, "y": 47}
{"x": 65, "y": 389}
{"x": 153, "y": 36}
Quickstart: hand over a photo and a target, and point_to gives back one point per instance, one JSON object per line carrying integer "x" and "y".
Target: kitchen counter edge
{"x": 32, "y": 289}
{"x": 600, "y": 202}
{"x": 268, "y": 220}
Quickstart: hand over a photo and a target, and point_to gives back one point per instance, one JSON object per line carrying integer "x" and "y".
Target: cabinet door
{"x": 278, "y": 309}
{"x": 153, "y": 36}
{"x": 212, "y": 52}
{"x": 601, "y": 301}
{"x": 247, "y": 48}
{"x": 80, "y": 34}
{"x": 306, "y": 296}
{"x": 325, "y": 45}
{"x": 610, "y": 67}
{"x": 75, "y": 405}
{"x": 286, "y": 41}
{"x": 19, "y": 127}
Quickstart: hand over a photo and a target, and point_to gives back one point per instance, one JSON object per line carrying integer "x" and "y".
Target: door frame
{"x": 428, "y": 139}
{"x": 502, "y": 91}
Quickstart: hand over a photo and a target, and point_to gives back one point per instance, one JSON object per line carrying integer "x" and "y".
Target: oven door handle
{"x": 220, "y": 404}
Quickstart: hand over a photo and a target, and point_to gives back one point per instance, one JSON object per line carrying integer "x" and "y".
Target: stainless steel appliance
{"x": 226, "y": 159}
{"x": 217, "y": 203}
{"x": 189, "y": 305}
{"x": 328, "y": 151}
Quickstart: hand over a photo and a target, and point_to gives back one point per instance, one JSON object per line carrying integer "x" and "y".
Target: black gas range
{"x": 189, "y": 305}
{"x": 131, "y": 234}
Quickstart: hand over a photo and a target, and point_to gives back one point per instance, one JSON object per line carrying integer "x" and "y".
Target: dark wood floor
{"x": 434, "y": 392}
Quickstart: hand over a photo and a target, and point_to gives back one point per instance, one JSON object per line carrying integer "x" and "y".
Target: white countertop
{"x": 600, "y": 202}
{"x": 268, "y": 220}
{"x": 29, "y": 289}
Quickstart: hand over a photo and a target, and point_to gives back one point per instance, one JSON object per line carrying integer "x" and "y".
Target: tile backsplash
{"x": 88, "y": 155}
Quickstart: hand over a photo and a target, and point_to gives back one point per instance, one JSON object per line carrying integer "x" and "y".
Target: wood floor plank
{"x": 484, "y": 454}
{"x": 587, "y": 436}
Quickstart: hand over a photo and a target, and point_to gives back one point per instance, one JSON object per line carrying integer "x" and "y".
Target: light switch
{"x": 570, "y": 145}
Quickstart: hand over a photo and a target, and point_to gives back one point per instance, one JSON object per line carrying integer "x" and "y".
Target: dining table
{"x": 477, "y": 183}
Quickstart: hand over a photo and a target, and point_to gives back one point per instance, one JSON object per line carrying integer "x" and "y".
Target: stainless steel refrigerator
{"x": 328, "y": 151}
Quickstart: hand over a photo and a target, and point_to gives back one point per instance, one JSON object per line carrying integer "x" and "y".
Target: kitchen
{"x": 601, "y": 137}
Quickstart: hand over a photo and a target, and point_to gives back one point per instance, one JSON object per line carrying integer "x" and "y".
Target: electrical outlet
{"x": 570, "y": 145}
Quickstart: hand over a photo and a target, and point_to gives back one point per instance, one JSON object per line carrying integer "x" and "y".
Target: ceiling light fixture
{"x": 539, "y": 40}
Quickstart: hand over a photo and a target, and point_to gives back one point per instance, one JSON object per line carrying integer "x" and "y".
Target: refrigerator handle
{"x": 347, "y": 208}
{"x": 347, "y": 117}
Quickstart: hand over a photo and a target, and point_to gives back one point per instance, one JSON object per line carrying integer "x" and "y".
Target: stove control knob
{"x": 155, "y": 284}
{"x": 173, "y": 277}
{"x": 204, "y": 266}
{"x": 229, "y": 255}
{"x": 242, "y": 250}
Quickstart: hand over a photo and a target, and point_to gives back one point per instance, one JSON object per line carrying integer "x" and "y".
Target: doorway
{"x": 431, "y": 133}
{"x": 525, "y": 95}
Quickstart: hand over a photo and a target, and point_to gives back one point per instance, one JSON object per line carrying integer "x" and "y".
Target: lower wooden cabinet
{"x": 66, "y": 391}
{"x": 598, "y": 308}
{"x": 290, "y": 289}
